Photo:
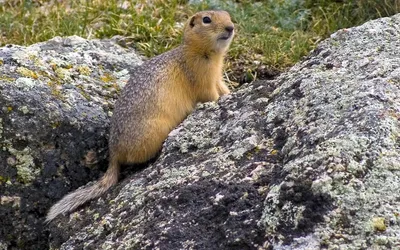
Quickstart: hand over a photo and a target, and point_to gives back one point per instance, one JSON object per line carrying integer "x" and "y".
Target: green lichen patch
{"x": 25, "y": 83}
{"x": 4, "y": 179}
{"x": 26, "y": 169}
{"x": 24, "y": 109}
{"x": 27, "y": 72}
{"x": 15, "y": 201}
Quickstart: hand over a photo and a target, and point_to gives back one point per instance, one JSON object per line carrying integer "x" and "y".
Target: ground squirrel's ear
{"x": 191, "y": 22}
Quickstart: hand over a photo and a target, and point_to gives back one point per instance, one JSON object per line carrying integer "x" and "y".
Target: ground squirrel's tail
{"x": 79, "y": 197}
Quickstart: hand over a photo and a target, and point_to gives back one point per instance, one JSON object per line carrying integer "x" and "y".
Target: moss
{"x": 26, "y": 169}
{"x": 27, "y": 72}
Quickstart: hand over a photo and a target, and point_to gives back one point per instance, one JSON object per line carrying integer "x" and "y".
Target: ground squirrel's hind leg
{"x": 150, "y": 142}
{"x": 222, "y": 88}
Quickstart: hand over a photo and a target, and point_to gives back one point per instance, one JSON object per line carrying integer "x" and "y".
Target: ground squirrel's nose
{"x": 229, "y": 28}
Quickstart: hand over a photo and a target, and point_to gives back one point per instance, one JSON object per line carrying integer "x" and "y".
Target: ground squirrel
{"x": 159, "y": 95}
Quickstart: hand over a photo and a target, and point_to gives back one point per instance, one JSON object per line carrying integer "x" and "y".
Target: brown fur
{"x": 158, "y": 96}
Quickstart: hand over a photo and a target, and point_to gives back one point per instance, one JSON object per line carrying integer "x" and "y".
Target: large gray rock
{"x": 55, "y": 102}
{"x": 310, "y": 160}
{"x": 313, "y": 163}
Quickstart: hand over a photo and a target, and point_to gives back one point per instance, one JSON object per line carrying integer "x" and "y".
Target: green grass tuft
{"x": 272, "y": 34}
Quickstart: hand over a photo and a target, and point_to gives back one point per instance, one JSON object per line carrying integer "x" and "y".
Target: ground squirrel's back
{"x": 159, "y": 95}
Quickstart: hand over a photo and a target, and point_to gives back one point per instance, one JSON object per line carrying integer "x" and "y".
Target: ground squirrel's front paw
{"x": 223, "y": 89}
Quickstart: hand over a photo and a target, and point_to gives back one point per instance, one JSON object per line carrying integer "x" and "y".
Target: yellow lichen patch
{"x": 6, "y": 78}
{"x": 117, "y": 87}
{"x": 55, "y": 89}
{"x": 112, "y": 85}
{"x": 55, "y": 124}
{"x": 35, "y": 60}
{"x": 68, "y": 66}
{"x": 393, "y": 114}
{"x": 83, "y": 93}
{"x": 63, "y": 74}
{"x": 249, "y": 155}
{"x": 53, "y": 66}
{"x": 84, "y": 70}
{"x": 274, "y": 152}
{"x": 27, "y": 72}
{"x": 9, "y": 109}
{"x": 107, "y": 77}
{"x": 378, "y": 223}
{"x": 1, "y": 62}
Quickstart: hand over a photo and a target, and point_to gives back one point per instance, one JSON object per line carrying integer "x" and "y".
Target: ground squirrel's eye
{"x": 206, "y": 19}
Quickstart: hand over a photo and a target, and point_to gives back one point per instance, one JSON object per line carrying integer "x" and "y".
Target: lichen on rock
{"x": 47, "y": 126}
{"x": 308, "y": 160}
{"x": 27, "y": 170}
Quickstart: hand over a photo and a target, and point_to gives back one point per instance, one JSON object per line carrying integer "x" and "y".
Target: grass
{"x": 271, "y": 34}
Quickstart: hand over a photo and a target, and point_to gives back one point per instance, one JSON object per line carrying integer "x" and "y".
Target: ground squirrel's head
{"x": 209, "y": 31}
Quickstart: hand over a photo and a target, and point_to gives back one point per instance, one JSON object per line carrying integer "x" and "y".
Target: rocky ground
{"x": 309, "y": 160}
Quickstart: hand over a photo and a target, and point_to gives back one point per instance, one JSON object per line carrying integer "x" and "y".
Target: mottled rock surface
{"x": 55, "y": 102}
{"x": 310, "y": 160}
{"x": 307, "y": 161}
